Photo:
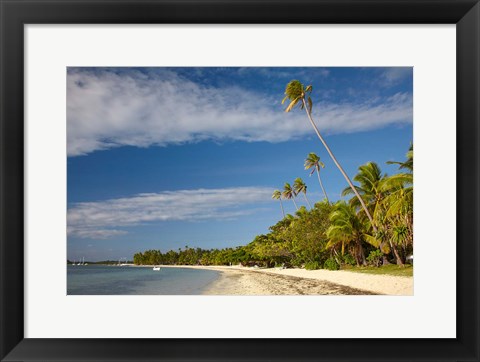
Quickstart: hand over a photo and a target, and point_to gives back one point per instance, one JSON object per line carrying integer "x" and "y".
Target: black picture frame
{"x": 15, "y": 14}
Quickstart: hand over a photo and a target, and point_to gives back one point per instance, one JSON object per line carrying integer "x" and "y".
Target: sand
{"x": 237, "y": 280}
{"x": 376, "y": 284}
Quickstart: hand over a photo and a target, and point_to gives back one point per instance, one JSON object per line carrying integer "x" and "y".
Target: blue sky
{"x": 167, "y": 157}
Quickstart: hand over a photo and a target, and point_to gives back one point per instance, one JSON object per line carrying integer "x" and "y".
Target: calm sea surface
{"x": 118, "y": 280}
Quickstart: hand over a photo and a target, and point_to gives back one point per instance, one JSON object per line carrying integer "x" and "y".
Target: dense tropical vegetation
{"x": 373, "y": 226}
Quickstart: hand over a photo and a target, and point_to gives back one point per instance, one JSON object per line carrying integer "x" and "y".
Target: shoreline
{"x": 238, "y": 280}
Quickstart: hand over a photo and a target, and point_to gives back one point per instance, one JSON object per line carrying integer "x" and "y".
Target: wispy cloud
{"x": 88, "y": 233}
{"x": 394, "y": 75}
{"x": 108, "y": 109}
{"x": 104, "y": 219}
{"x": 376, "y": 113}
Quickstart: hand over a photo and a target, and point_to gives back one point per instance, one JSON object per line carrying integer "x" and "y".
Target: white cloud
{"x": 101, "y": 219}
{"x": 377, "y": 113}
{"x": 394, "y": 75}
{"x": 106, "y": 110}
{"x": 95, "y": 234}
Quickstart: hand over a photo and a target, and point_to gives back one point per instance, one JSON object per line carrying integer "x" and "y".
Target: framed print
{"x": 156, "y": 194}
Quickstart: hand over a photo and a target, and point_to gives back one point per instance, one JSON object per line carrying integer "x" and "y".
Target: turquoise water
{"x": 118, "y": 280}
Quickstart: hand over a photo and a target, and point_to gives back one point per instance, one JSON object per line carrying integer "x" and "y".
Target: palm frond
{"x": 276, "y": 195}
{"x": 292, "y": 104}
{"x": 372, "y": 240}
{"x": 348, "y": 191}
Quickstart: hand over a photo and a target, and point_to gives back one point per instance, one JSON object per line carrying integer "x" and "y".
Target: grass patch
{"x": 393, "y": 269}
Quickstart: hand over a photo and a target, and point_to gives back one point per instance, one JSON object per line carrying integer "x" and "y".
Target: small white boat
{"x": 156, "y": 268}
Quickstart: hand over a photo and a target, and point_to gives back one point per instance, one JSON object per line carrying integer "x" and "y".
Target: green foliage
{"x": 306, "y": 237}
{"x": 390, "y": 269}
{"x": 288, "y": 191}
{"x": 331, "y": 264}
{"x": 375, "y": 258}
{"x": 348, "y": 259}
{"x": 196, "y": 256}
{"x": 313, "y": 265}
{"x": 295, "y": 92}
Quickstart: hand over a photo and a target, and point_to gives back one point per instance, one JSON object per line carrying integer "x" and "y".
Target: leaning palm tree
{"x": 313, "y": 160}
{"x": 296, "y": 92}
{"x": 277, "y": 195}
{"x": 300, "y": 186}
{"x": 289, "y": 193}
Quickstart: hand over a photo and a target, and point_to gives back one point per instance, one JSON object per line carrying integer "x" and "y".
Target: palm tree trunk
{"x": 339, "y": 167}
{"x": 362, "y": 253}
{"x": 397, "y": 256}
{"x": 336, "y": 257}
{"x": 385, "y": 260}
{"x": 308, "y": 202}
{"x": 321, "y": 185}
{"x": 293, "y": 199}
{"x": 281, "y": 205}
{"x": 357, "y": 256}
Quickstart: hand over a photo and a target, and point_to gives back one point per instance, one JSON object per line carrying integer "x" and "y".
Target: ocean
{"x": 127, "y": 280}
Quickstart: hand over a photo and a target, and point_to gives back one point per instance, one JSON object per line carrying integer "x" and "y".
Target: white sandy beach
{"x": 236, "y": 280}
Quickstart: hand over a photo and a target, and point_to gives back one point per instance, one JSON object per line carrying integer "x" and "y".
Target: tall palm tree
{"x": 300, "y": 186}
{"x": 289, "y": 193}
{"x": 313, "y": 160}
{"x": 277, "y": 195}
{"x": 296, "y": 92}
